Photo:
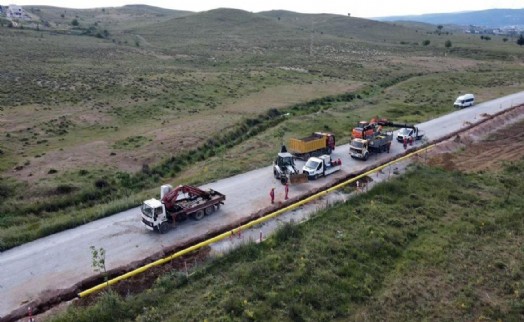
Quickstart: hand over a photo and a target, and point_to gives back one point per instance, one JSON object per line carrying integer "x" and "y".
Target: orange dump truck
{"x": 316, "y": 144}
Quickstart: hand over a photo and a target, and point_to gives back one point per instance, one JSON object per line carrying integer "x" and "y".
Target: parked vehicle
{"x": 321, "y": 166}
{"x": 464, "y": 101}
{"x": 316, "y": 144}
{"x": 366, "y": 130}
{"x": 363, "y": 148}
{"x": 410, "y": 133}
{"x": 178, "y": 204}
{"x": 284, "y": 169}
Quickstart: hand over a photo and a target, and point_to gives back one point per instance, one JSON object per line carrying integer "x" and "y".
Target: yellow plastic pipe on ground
{"x": 243, "y": 227}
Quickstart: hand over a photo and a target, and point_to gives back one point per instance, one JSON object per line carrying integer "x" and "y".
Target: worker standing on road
{"x": 286, "y": 189}
{"x": 272, "y": 195}
{"x": 405, "y": 142}
{"x": 410, "y": 140}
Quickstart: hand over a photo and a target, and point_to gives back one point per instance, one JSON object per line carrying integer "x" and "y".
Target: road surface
{"x": 61, "y": 260}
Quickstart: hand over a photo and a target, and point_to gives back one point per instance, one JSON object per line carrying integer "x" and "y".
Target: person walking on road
{"x": 286, "y": 189}
{"x": 272, "y": 195}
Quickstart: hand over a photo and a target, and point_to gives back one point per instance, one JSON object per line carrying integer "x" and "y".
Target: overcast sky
{"x": 358, "y": 8}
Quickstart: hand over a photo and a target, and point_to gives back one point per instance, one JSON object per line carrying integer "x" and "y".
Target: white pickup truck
{"x": 321, "y": 166}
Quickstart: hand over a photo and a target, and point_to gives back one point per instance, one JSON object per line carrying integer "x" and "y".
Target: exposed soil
{"x": 485, "y": 147}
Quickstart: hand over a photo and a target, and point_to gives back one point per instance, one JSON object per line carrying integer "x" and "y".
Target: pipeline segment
{"x": 243, "y": 227}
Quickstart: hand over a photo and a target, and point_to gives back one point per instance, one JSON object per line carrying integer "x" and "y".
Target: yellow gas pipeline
{"x": 243, "y": 227}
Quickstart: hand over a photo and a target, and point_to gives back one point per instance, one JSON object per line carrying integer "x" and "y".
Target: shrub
{"x": 520, "y": 41}
{"x": 101, "y": 183}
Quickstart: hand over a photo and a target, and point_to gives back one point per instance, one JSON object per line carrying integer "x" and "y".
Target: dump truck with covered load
{"x": 314, "y": 145}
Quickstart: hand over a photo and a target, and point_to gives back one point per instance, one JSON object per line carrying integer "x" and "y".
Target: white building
{"x": 14, "y": 12}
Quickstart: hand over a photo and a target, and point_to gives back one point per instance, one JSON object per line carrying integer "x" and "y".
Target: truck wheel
{"x": 198, "y": 215}
{"x": 163, "y": 227}
{"x": 275, "y": 173}
{"x": 283, "y": 180}
{"x": 210, "y": 210}
{"x": 328, "y": 151}
{"x": 366, "y": 156}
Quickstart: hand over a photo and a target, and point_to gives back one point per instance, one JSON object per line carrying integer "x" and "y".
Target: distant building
{"x": 14, "y": 11}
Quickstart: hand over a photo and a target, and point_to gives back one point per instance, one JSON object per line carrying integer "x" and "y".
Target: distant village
{"x": 503, "y": 31}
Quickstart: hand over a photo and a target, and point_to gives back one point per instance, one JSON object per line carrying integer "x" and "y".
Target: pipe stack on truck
{"x": 316, "y": 144}
{"x": 179, "y": 204}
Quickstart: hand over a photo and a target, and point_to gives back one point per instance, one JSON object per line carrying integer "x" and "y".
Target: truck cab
{"x": 358, "y": 148}
{"x": 154, "y": 215}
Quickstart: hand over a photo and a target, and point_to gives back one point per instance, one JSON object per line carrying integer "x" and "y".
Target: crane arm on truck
{"x": 368, "y": 129}
{"x": 170, "y": 198}
{"x": 399, "y": 125}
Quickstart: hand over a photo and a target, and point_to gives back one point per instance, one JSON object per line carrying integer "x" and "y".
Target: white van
{"x": 465, "y": 101}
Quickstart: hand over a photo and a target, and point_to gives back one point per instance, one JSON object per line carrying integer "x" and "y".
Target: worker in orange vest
{"x": 272, "y": 195}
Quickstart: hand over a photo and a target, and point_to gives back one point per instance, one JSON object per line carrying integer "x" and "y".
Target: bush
{"x": 426, "y": 42}
{"x": 520, "y": 41}
{"x": 101, "y": 183}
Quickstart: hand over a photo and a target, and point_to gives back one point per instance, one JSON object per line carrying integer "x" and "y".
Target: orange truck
{"x": 316, "y": 144}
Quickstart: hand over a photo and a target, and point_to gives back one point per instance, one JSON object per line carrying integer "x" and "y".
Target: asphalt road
{"x": 61, "y": 260}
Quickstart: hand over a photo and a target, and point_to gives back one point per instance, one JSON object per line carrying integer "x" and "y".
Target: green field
{"x": 96, "y": 114}
{"x": 445, "y": 247}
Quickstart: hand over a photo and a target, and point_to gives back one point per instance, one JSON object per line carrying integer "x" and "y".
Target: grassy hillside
{"x": 114, "y": 18}
{"x": 95, "y": 116}
{"x": 448, "y": 247}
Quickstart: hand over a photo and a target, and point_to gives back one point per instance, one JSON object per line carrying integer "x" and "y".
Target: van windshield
{"x": 404, "y": 131}
{"x": 312, "y": 164}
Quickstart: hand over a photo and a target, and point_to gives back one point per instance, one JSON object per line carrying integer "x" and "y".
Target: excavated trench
{"x": 136, "y": 284}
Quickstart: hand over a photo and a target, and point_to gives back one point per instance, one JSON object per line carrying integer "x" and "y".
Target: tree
{"x": 520, "y": 41}
{"x": 426, "y": 42}
{"x": 75, "y": 22}
{"x": 448, "y": 44}
{"x": 99, "y": 261}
